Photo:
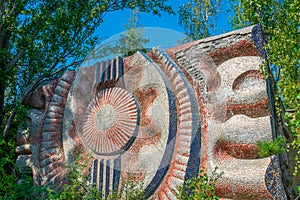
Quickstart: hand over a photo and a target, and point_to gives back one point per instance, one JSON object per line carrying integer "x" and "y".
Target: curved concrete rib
{"x": 234, "y": 154}
{"x": 242, "y": 179}
{"x": 240, "y": 135}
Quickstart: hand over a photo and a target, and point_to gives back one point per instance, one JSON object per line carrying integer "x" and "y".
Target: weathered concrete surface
{"x": 156, "y": 119}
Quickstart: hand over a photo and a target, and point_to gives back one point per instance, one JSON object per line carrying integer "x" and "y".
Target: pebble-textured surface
{"x": 111, "y": 122}
{"x": 156, "y": 119}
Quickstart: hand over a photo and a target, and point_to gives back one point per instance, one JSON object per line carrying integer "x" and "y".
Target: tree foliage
{"x": 130, "y": 41}
{"x": 200, "y": 187}
{"x": 280, "y": 21}
{"x": 197, "y": 17}
{"x": 38, "y": 41}
{"x": 41, "y": 39}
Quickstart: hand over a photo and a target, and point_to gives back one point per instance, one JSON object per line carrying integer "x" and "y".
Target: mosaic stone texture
{"x": 111, "y": 122}
{"x": 156, "y": 119}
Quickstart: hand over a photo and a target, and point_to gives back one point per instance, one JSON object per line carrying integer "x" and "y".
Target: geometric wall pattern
{"x": 156, "y": 119}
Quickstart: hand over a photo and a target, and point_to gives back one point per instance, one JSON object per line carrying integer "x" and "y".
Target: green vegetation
{"x": 129, "y": 42}
{"x": 132, "y": 39}
{"x": 39, "y": 40}
{"x": 8, "y": 171}
{"x": 280, "y": 21}
{"x": 35, "y": 46}
{"x": 199, "y": 188}
{"x": 270, "y": 148}
{"x": 196, "y": 188}
{"x": 198, "y": 17}
{"x": 77, "y": 188}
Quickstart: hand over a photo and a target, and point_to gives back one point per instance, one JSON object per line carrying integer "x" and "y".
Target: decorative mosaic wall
{"x": 156, "y": 119}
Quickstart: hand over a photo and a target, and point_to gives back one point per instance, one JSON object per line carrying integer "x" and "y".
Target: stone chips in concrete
{"x": 156, "y": 119}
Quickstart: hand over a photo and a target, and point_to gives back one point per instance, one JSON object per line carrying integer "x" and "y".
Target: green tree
{"x": 130, "y": 41}
{"x": 198, "y": 17}
{"x": 280, "y": 21}
{"x": 38, "y": 41}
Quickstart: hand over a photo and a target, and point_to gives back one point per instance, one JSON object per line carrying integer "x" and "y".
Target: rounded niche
{"x": 248, "y": 82}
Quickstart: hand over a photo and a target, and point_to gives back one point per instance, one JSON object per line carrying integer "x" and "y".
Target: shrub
{"x": 199, "y": 188}
{"x": 269, "y": 148}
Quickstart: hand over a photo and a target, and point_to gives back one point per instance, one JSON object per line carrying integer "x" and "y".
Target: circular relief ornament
{"x": 111, "y": 122}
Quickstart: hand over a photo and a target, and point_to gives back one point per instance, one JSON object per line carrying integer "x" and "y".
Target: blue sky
{"x": 114, "y": 22}
{"x": 163, "y": 32}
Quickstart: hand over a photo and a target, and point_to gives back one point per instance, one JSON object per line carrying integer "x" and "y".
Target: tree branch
{"x": 15, "y": 58}
{"x": 12, "y": 9}
{"x": 66, "y": 67}
{"x": 9, "y": 121}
